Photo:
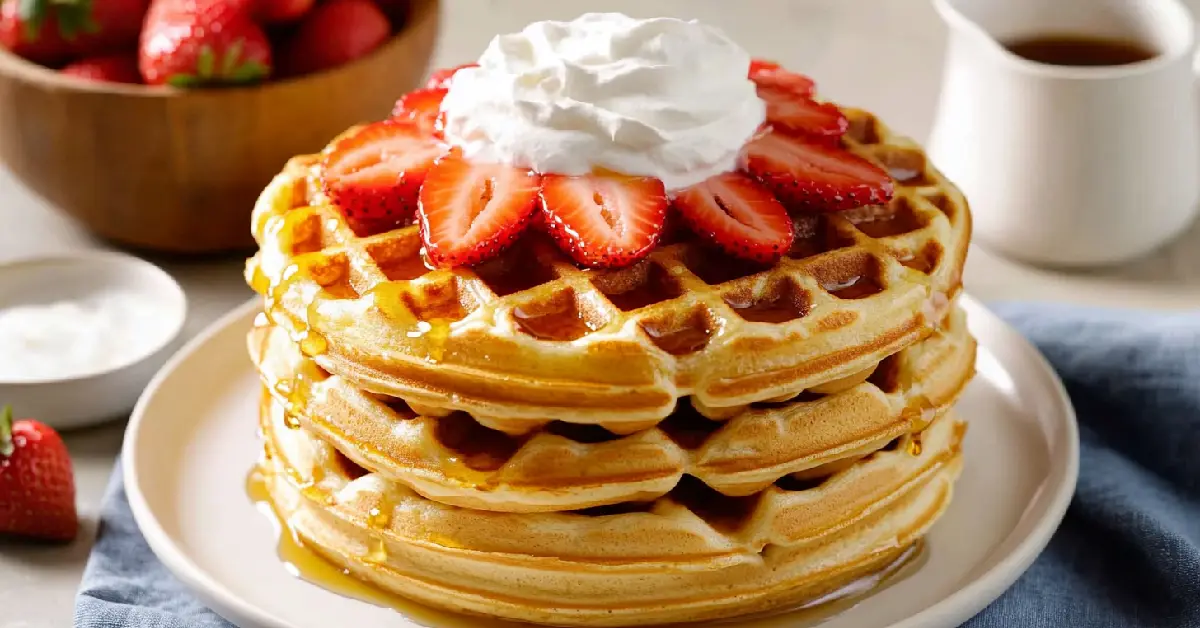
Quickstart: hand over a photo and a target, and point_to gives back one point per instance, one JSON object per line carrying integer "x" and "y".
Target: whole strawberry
{"x": 334, "y": 33}
{"x": 190, "y": 43}
{"x": 119, "y": 68}
{"x": 37, "y": 485}
{"x": 52, "y": 31}
{"x": 277, "y": 11}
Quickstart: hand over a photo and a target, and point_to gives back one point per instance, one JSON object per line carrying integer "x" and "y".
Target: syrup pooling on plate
{"x": 303, "y": 563}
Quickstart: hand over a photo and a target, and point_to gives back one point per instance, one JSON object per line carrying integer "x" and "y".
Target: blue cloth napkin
{"x": 1127, "y": 554}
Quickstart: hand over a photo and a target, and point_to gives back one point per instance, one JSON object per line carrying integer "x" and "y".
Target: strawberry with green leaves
{"x": 190, "y": 43}
{"x": 37, "y": 483}
{"x": 53, "y": 31}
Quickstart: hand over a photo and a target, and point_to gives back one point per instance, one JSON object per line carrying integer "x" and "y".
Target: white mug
{"x": 1070, "y": 165}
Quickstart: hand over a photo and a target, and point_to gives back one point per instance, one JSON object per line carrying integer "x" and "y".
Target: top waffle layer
{"x": 529, "y": 335}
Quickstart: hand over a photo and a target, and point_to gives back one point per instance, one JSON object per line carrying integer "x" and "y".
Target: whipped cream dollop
{"x": 662, "y": 97}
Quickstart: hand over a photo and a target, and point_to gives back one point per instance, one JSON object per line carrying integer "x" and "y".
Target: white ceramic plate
{"x": 192, "y": 441}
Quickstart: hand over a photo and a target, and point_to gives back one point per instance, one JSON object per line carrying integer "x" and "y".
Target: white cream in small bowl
{"x": 82, "y": 334}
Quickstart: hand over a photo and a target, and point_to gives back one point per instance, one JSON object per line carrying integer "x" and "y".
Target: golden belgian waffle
{"x": 529, "y": 337}
{"x": 691, "y": 555}
{"x": 455, "y": 460}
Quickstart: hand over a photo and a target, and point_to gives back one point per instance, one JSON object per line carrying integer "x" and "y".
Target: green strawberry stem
{"x": 6, "y": 441}
{"x": 234, "y": 69}
{"x": 73, "y": 16}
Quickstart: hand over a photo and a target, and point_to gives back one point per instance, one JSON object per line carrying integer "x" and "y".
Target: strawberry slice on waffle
{"x": 604, "y": 220}
{"x": 440, "y": 79}
{"x": 472, "y": 211}
{"x": 769, "y": 74}
{"x": 739, "y": 215}
{"x": 421, "y": 107}
{"x": 800, "y": 114}
{"x": 812, "y": 176}
{"x": 374, "y": 176}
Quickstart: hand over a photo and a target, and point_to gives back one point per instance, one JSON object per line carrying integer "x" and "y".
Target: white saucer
{"x": 192, "y": 440}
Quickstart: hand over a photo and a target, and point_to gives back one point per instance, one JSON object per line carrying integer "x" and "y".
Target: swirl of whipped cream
{"x": 662, "y": 97}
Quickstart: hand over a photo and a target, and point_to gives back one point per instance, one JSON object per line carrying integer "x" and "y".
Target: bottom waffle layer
{"x": 691, "y": 555}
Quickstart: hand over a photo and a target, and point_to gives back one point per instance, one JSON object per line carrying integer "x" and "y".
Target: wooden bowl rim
{"x": 423, "y": 15}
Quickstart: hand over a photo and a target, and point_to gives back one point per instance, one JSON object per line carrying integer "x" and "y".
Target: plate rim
{"x": 960, "y": 605}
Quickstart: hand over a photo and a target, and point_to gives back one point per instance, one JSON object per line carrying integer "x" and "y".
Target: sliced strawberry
{"x": 472, "y": 211}
{"x": 375, "y": 175}
{"x": 770, "y": 74}
{"x": 737, "y": 214}
{"x": 604, "y": 220}
{"x": 440, "y": 79}
{"x": 422, "y": 106}
{"x": 801, "y": 114}
{"x": 808, "y": 175}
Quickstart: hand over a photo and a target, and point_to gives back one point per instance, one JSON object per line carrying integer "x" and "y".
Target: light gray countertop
{"x": 883, "y": 55}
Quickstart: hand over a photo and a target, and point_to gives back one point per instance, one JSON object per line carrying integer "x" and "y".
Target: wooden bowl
{"x": 178, "y": 171}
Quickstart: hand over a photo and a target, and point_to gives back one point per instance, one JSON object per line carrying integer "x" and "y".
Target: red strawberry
{"x": 112, "y": 68}
{"x": 190, "y": 43}
{"x": 396, "y": 10}
{"x": 807, "y": 175}
{"x": 472, "y": 211}
{"x": 37, "y": 484}
{"x": 440, "y": 79}
{"x": 42, "y": 43}
{"x": 51, "y": 31}
{"x": 802, "y": 114}
{"x": 374, "y": 176}
{"x": 604, "y": 220}
{"x": 422, "y": 107}
{"x": 737, "y": 214}
{"x": 770, "y": 74}
{"x": 276, "y": 11}
{"x": 335, "y": 33}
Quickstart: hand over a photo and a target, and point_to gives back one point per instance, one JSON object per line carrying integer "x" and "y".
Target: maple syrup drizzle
{"x": 394, "y": 302}
{"x": 655, "y": 287}
{"x": 790, "y": 304}
{"x": 561, "y": 324}
{"x": 902, "y": 219}
{"x": 312, "y": 343}
{"x": 914, "y": 445}
{"x": 854, "y": 288}
{"x": 405, "y": 268}
{"x": 681, "y": 341}
{"x": 301, "y": 562}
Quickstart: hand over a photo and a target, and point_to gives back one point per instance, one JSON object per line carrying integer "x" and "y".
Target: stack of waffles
{"x": 690, "y": 437}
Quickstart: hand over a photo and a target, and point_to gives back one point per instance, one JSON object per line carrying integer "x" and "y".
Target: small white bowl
{"x": 81, "y": 396}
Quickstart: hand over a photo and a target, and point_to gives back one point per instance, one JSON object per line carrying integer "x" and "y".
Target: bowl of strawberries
{"x": 156, "y": 123}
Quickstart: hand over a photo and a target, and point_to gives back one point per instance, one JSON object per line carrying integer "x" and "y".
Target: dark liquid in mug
{"x": 1079, "y": 50}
